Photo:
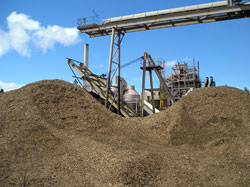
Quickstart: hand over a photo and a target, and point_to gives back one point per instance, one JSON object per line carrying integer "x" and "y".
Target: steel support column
{"x": 152, "y": 92}
{"x": 230, "y": 2}
{"x": 109, "y": 68}
{"x": 143, "y": 85}
{"x": 116, "y": 40}
{"x": 118, "y": 71}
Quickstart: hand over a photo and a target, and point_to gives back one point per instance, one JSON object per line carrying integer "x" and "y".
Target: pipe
{"x": 86, "y": 55}
{"x": 198, "y": 70}
{"x": 118, "y": 72}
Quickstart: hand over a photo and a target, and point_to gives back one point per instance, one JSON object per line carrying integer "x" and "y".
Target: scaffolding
{"x": 183, "y": 79}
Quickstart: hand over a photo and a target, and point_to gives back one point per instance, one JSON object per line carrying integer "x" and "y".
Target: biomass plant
{"x": 182, "y": 80}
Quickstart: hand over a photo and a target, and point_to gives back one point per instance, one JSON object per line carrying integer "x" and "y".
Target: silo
{"x": 114, "y": 87}
{"x": 132, "y": 99}
{"x": 123, "y": 86}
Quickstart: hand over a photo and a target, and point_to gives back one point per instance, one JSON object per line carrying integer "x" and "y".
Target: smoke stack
{"x": 86, "y": 55}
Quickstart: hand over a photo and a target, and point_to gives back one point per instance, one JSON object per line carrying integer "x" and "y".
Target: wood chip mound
{"x": 53, "y": 133}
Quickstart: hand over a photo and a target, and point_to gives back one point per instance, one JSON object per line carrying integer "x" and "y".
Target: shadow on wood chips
{"x": 53, "y": 133}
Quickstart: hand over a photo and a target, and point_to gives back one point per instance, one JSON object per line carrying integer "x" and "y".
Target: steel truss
{"x": 196, "y": 14}
{"x": 149, "y": 65}
{"x": 115, "y": 52}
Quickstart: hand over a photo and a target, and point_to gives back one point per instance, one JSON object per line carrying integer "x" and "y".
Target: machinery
{"x": 183, "y": 80}
{"x": 129, "y": 95}
{"x": 171, "y": 89}
{"x": 98, "y": 84}
{"x": 117, "y": 27}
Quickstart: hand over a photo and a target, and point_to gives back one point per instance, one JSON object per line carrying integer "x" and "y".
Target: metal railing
{"x": 91, "y": 20}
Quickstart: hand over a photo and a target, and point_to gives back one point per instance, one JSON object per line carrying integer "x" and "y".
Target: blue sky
{"x": 222, "y": 48}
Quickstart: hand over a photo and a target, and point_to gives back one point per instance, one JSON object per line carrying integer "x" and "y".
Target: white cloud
{"x": 4, "y": 43}
{"x": 23, "y": 32}
{"x": 171, "y": 63}
{"x": 46, "y": 38}
{"x": 19, "y": 40}
{"x": 9, "y": 86}
{"x": 22, "y": 20}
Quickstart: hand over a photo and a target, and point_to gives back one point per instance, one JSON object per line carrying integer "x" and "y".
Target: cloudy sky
{"x": 37, "y": 36}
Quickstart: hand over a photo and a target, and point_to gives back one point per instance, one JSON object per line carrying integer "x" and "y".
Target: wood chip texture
{"x": 54, "y": 133}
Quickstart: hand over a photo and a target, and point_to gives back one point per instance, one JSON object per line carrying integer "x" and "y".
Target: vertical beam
{"x": 162, "y": 96}
{"x": 152, "y": 92}
{"x": 166, "y": 89}
{"x": 230, "y": 2}
{"x": 118, "y": 69}
{"x": 199, "y": 72}
{"x": 194, "y": 78}
{"x": 86, "y": 55}
{"x": 109, "y": 68}
{"x": 143, "y": 84}
{"x": 86, "y": 61}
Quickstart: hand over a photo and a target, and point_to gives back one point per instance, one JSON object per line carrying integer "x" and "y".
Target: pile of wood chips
{"x": 53, "y": 133}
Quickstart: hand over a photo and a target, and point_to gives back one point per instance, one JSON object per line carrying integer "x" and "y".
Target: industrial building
{"x": 180, "y": 82}
{"x": 184, "y": 78}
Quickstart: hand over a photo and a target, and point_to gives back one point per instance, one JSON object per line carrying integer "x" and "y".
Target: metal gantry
{"x": 197, "y": 14}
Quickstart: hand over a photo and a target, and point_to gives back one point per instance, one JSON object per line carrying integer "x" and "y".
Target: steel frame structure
{"x": 164, "y": 89}
{"x": 116, "y": 39}
{"x": 197, "y": 14}
{"x": 98, "y": 83}
{"x": 177, "y": 18}
{"x": 182, "y": 79}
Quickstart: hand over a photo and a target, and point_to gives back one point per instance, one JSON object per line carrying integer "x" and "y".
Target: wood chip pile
{"x": 53, "y": 133}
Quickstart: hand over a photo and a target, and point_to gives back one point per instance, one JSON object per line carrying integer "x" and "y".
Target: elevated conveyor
{"x": 98, "y": 83}
{"x": 196, "y": 14}
{"x": 149, "y": 108}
